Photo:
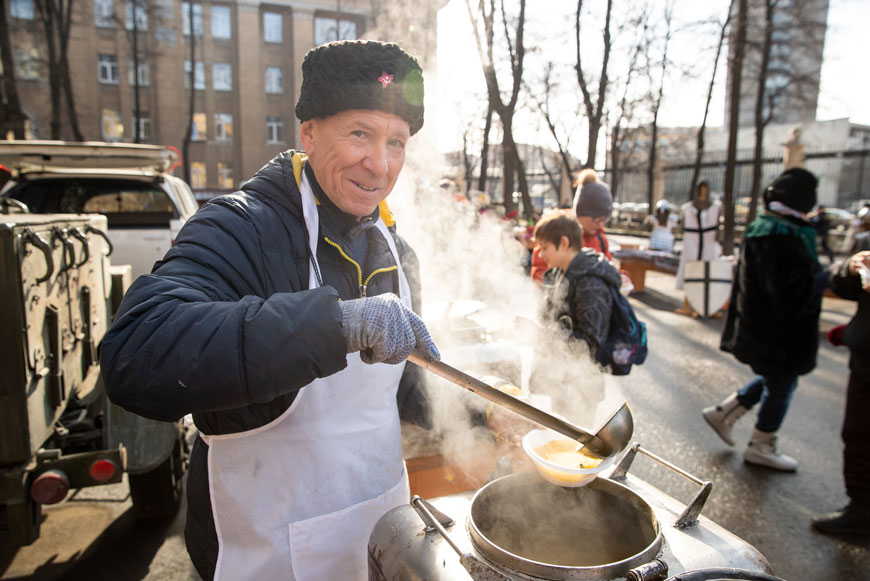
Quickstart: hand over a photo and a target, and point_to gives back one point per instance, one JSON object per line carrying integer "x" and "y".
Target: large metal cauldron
{"x": 521, "y": 527}
{"x": 598, "y": 531}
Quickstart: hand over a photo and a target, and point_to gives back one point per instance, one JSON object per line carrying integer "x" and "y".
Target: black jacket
{"x": 857, "y": 332}
{"x": 580, "y": 300}
{"x": 225, "y": 327}
{"x": 773, "y": 315}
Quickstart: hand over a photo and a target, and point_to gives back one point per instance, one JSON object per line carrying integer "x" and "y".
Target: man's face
{"x": 592, "y": 225}
{"x": 556, "y": 256}
{"x": 357, "y": 156}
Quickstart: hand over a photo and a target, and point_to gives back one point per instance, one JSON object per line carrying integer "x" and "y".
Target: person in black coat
{"x": 773, "y": 314}
{"x": 849, "y": 283}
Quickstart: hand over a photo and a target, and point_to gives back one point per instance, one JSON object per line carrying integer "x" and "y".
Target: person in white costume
{"x": 700, "y": 218}
{"x": 281, "y": 320}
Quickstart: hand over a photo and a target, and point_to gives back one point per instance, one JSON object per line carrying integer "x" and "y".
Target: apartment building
{"x": 246, "y": 57}
{"x": 794, "y": 66}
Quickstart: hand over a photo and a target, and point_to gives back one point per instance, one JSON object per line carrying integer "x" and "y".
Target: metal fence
{"x": 844, "y": 177}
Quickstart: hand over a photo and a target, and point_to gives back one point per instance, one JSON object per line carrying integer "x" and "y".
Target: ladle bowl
{"x": 610, "y": 439}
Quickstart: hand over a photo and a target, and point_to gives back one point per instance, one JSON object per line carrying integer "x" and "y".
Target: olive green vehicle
{"x": 58, "y": 431}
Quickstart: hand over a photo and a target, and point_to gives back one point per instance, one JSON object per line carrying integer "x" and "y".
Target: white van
{"x": 129, "y": 183}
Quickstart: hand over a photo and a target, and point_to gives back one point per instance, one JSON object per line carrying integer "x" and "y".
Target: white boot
{"x": 721, "y": 417}
{"x": 762, "y": 451}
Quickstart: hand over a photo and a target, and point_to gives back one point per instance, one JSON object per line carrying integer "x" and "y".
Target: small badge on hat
{"x": 385, "y": 79}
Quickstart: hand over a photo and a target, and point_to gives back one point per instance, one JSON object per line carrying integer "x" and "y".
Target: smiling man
{"x": 281, "y": 320}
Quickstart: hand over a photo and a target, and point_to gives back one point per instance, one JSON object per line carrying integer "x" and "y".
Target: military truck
{"x": 58, "y": 431}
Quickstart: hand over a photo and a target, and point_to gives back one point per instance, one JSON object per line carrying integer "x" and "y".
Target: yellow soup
{"x": 565, "y": 453}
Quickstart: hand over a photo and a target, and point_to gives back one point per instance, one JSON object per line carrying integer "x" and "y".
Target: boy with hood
{"x": 578, "y": 299}
{"x": 773, "y": 315}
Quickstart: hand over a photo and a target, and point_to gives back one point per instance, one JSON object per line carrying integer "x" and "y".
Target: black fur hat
{"x": 361, "y": 74}
{"x": 795, "y": 187}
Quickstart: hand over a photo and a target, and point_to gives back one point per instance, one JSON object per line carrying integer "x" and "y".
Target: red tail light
{"x": 102, "y": 470}
{"x": 50, "y": 487}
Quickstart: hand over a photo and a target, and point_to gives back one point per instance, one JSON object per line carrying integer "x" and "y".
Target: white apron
{"x": 298, "y": 497}
{"x": 700, "y": 230}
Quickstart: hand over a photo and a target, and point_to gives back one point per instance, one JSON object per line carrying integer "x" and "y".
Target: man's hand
{"x": 384, "y": 330}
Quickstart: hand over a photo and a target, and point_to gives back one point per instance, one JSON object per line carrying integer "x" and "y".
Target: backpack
{"x": 626, "y": 341}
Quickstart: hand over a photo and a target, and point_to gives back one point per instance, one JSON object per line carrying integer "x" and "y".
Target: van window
{"x": 125, "y": 204}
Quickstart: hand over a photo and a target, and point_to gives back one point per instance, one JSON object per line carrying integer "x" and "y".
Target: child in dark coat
{"x": 577, "y": 302}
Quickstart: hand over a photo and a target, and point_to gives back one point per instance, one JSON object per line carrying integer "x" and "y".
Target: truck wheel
{"x": 157, "y": 494}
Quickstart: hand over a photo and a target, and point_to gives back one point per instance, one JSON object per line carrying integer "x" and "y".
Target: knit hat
{"x": 593, "y": 198}
{"x": 361, "y": 74}
{"x": 795, "y": 187}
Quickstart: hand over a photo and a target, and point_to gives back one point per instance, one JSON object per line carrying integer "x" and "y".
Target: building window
{"x": 21, "y": 9}
{"x": 107, "y": 69}
{"x": 113, "y": 128}
{"x": 274, "y": 130}
{"x": 222, "y": 76}
{"x": 273, "y": 27}
{"x": 274, "y": 80}
{"x": 223, "y": 126}
{"x": 104, "y": 13}
{"x": 220, "y": 22}
{"x": 200, "y": 128}
{"x": 144, "y": 128}
{"x": 26, "y": 63}
{"x": 144, "y": 74}
{"x": 225, "y": 176}
{"x": 141, "y": 15}
{"x": 185, "y": 19}
{"x": 324, "y": 30}
{"x": 198, "y": 76}
{"x": 197, "y": 175}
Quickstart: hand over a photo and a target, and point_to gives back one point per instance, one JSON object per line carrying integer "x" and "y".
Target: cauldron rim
{"x": 501, "y": 557}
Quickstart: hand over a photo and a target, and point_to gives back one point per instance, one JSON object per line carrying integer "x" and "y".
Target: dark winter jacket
{"x": 773, "y": 315}
{"x": 580, "y": 298}
{"x": 225, "y": 327}
{"x": 857, "y": 332}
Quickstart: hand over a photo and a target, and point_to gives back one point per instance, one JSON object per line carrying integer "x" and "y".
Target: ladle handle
{"x": 500, "y": 398}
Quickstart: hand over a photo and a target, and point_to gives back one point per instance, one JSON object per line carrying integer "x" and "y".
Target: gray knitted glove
{"x": 384, "y": 330}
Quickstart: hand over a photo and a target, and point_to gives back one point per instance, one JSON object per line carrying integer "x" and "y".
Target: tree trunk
{"x": 137, "y": 105}
{"x": 188, "y": 135}
{"x": 48, "y": 16}
{"x": 484, "y": 151}
{"x": 594, "y": 111}
{"x": 733, "y": 121}
{"x": 13, "y": 117}
{"x": 760, "y": 120}
{"x": 65, "y": 21}
{"x": 699, "y": 149}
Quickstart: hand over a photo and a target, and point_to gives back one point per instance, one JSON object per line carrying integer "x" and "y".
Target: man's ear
{"x": 564, "y": 243}
{"x": 306, "y": 135}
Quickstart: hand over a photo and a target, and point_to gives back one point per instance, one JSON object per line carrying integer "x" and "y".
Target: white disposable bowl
{"x": 555, "y": 473}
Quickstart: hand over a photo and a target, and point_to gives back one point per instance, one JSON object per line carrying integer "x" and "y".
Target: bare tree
{"x": 542, "y": 105}
{"x": 594, "y": 109}
{"x": 512, "y": 164}
{"x": 624, "y": 113}
{"x": 56, "y": 19}
{"x": 656, "y": 102}
{"x": 12, "y": 118}
{"x": 191, "y": 76}
{"x": 733, "y": 121}
{"x": 484, "y": 149}
{"x": 763, "y": 114}
{"x": 699, "y": 149}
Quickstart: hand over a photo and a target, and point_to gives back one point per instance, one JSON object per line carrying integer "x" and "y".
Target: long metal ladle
{"x": 609, "y": 440}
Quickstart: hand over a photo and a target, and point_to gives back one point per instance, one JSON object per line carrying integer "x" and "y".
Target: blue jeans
{"x": 774, "y": 393}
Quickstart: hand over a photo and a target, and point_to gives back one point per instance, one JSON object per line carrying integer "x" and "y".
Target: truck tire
{"x": 156, "y": 494}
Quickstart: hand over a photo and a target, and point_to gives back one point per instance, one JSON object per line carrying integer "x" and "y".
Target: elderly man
{"x": 281, "y": 321}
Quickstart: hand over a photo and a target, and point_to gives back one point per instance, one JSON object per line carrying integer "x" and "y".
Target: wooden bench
{"x": 636, "y": 262}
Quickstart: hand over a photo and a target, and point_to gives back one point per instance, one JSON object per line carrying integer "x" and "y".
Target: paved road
{"x": 94, "y": 535}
